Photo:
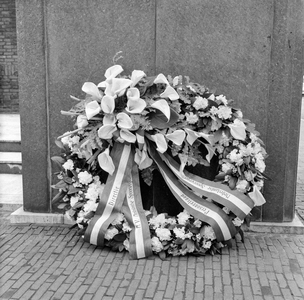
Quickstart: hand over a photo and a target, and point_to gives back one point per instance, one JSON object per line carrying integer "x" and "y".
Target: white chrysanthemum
{"x": 253, "y": 137}
{"x": 245, "y": 150}
{"x": 227, "y": 167}
{"x": 158, "y": 221}
{"x": 94, "y": 190}
{"x": 197, "y": 223}
{"x": 179, "y": 232}
{"x": 222, "y": 98}
{"x": 224, "y": 112}
{"x": 73, "y": 200}
{"x": 200, "y": 103}
{"x": 224, "y": 140}
{"x": 84, "y": 177}
{"x": 156, "y": 244}
{"x": 68, "y": 165}
{"x": 183, "y": 217}
{"x": 242, "y": 186}
{"x": 237, "y": 222}
{"x": 163, "y": 234}
{"x": 75, "y": 139}
{"x": 90, "y": 206}
{"x": 259, "y": 184}
{"x": 260, "y": 164}
{"x": 191, "y": 118}
{"x": 126, "y": 227}
{"x": 235, "y": 157}
{"x": 207, "y": 244}
{"x": 208, "y": 233}
{"x": 213, "y": 110}
{"x": 249, "y": 175}
{"x": 119, "y": 219}
{"x": 110, "y": 233}
{"x": 65, "y": 140}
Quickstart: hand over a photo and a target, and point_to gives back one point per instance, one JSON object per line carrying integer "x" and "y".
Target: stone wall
{"x": 8, "y": 57}
{"x": 251, "y": 51}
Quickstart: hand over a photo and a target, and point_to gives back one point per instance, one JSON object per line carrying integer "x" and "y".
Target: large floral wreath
{"x": 131, "y": 124}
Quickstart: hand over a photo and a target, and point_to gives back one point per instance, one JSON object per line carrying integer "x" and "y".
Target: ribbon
{"x": 237, "y": 202}
{"x": 200, "y": 208}
{"x": 122, "y": 193}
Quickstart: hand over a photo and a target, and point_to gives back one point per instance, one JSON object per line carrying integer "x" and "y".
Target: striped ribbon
{"x": 237, "y": 202}
{"x": 122, "y": 193}
{"x": 200, "y": 208}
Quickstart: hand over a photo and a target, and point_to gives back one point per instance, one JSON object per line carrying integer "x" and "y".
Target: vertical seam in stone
{"x": 47, "y": 100}
{"x": 155, "y": 37}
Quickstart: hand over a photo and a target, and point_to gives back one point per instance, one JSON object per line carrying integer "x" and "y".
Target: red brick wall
{"x": 8, "y": 57}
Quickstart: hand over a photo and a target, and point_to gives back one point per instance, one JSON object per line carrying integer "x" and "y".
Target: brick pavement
{"x": 53, "y": 262}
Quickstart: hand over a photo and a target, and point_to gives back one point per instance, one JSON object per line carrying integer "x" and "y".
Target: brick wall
{"x": 8, "y": 57}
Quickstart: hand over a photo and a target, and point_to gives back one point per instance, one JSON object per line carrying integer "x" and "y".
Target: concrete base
{"x": 294, "y": 227}
{"x": 22, "y": 217}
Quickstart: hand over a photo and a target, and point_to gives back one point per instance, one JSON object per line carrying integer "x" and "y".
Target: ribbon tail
{"x": 140, "y": 240}
{"x": 202, "y": 209}
{"x": 113, "y": 194}
{"x": 239, "y": 203}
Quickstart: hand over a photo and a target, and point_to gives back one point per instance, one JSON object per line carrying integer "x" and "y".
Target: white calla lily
{"x": 118, "y": 85}
{"x": 238, "y": 130}
{"x": 91, "y": 88}
{"x": 106, "y": 131}
{"x": 105, "y": 161}
{"x": 257, "y": 196}
{"x": 135, "y": 105}
{"x": 109, "y": 120}
{"x": 192, "y": 136}
{"x": 161, "y": 78}
{"x": 107, "y": 104}
{"x": 128, "y": 136}
{"x": 170, "y": 93}
{"x": 92, "y": 109}
{"x": 161, "y": 142}
{"x": 142, "y": 159}
{"x": 163, "y": 106}
{"x": 177, "y": 137}
{"x": 124, "y": 121}
{"x": 133, "y": 94}
{"x": 113, "y": 71}
{"x": 136, "y": 76}
{"x": 82, "y": 121}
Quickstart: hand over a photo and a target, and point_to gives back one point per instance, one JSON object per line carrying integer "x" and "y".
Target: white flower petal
{"x": 107, "y": 104}
{"x": 237, "y": 130}
{"x": 192, "y": 136}
{"x": 257, "y": 196}
{"x": 161, "y": 143}
{"x": 142, "y": 159}
{"x": 109, "y": 120}
{"x": 161, "y": 78}
{"x": 163, "y": 106}
{"x": 136, "y": 76}
{"x": 105, "y": 161}
{"x": 92, "y": 109}
{"x": 177, "y": 137}
{"x": 90, "y": 88}
{"x": 82, "y": 121}
{"x": 133, "y": 94}
{"x": 106, "y": 131}
{"x": 124, "y": 121}
{"x": 113, "y": 71}
{"x": 170, "y": 93}
{"x": 119, "y": 84}
{"x": 127, "y": 136}
{"x": 136, "y": 106}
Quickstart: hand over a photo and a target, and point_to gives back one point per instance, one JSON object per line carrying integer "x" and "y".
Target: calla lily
{"x": 177, "y": 137}
{"x": 117, "y": 86}
{"x": 107, "y": 104}
{"x": 136, "y": 76}
{"x": 163, "y": 106}
{"x": 124, "y": 121}
{"x": 170, "y": 93}
{"x": 142, "y": 159}
{"x": 113, "y": 71}
{"x": 105, "y": 161}
{"x": 128, "y": 136}
{"x": 109, "y": 120}
{"x": 92, "y": 109}
{"x": 160, "y": 141}
{"x": 237, "y": 130}
{"x": 91, "y": 88}
{"x": 192, "y": 136}
{"x": 82, "y": 121}
{"x": 135, "y": 105}
{"x": 140, "y": 136}
{"x": 257, "y": 196}
{"x": 161, "y": 78}
{"x": 106, "y": 131}
{"x": 211, "y": 152}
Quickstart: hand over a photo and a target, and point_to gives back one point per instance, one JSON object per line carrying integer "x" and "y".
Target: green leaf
{"x": 162, "y": 255}
{"x": 120, "y": 237}
{"x": 59, "y": 144}
{"x": 89, "y": 215}
{"x": 73, "y": 190}
{"x": 63, "y": 205}
{"x": 58, "y": 160}
{"x": 60, "y": 185}
{"x": 58, "y": 197}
